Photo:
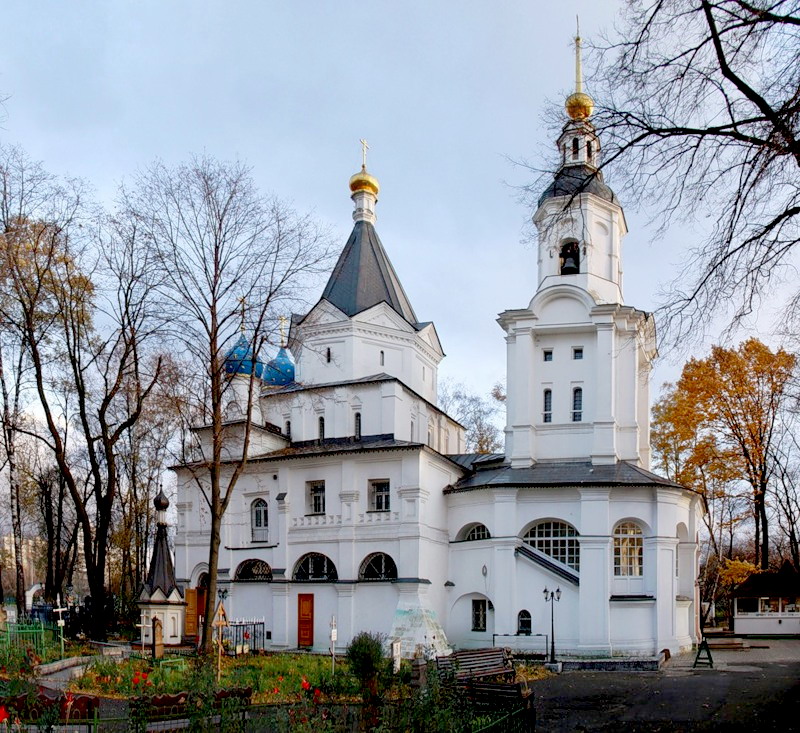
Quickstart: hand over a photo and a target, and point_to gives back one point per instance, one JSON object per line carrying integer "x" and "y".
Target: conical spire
{"x": 579, "y": 105}
{"x": 161, "y": 573}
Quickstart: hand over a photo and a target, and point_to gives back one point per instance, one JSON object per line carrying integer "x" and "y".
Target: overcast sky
{"x": 446, "y": 93}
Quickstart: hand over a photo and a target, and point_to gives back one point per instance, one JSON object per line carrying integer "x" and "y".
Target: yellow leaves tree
{"x": 719, "y": 425}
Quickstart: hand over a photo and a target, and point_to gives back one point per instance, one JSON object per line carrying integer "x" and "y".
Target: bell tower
{"x": 579, "y": 220}
{"x": 578, "y": 357}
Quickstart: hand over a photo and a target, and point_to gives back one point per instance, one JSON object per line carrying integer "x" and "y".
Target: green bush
{"x": 365, "y": 656}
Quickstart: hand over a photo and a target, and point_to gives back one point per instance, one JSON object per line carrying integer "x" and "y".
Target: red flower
{"x": 317, "y": 694}
{"x": 136, "y": 679}
{"x": 246, "y": 635}
{"x": 305, "y": 684}
{"x": 144, "y": 675}
{"x": 3, "y": 714}
{"x": 280, "y": 678}
{"x": 149, "y": 683}
{"x": 275, "y": 690}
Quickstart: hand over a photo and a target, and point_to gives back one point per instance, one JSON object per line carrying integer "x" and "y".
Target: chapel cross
{"x": 364, "y": 148}
{"x": 60, "y": 623}
{"x": 282, "y": 320}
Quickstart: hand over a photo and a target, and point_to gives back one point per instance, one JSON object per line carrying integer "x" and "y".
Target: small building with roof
{"x": 768, "y": 603}
{"x": 359, "y": 503}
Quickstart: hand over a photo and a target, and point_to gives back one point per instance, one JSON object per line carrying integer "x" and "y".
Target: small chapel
{"x": 359, "y": 504}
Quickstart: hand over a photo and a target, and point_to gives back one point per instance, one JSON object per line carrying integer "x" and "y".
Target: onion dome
{"x": 279, "y": 371}
{"x": 579, "y": 105}
{"x": 161, "y": 503}
{"x": 363, "y": 181}
{"x": 240, "y": 359}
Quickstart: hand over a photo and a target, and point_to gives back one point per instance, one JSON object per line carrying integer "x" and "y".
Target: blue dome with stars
{"x": 280, "y": 370}
{"x": 239, "y": 360}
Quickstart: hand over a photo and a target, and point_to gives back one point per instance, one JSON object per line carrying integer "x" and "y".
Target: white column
{"x": 594, "y": 634}
{"x": 281, "y": 618}
{"x": 604, "y": 448}
{"x": 345, "y": 614}
{"x": 523, "y": 454}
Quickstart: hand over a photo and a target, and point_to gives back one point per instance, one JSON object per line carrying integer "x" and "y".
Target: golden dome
{"x": 579, "y": 105}
{"x": 363, "y": 181}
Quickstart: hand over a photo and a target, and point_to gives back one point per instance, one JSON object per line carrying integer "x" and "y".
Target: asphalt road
{"x": 750, "y": 690}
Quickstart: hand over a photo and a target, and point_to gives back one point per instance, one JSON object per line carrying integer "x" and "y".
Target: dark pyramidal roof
{"x": 364, "y": 276}
{"x": 161, "y": 573}
{"x": 572, "y": 180}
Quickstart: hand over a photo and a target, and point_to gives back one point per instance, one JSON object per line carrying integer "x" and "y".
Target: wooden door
{"x": 190, "y": 628}
{"x": 305, "y": 619}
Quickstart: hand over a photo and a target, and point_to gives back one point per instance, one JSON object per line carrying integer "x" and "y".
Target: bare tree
{"x": 698, "y": 110}
{"x": 231, "y": 258}
{"x": 477, "y": 414}
{"x": 80, "y": 290}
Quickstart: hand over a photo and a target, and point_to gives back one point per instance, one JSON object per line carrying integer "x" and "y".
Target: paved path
{"x": 751, "y": 690}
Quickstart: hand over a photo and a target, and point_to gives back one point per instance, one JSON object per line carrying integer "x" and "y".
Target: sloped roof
{"x": 573, "y": 180}
{"x": 364, "y": 276}
{"x": 784, "y": 582}
{"x": 162, "y": 572}
{"x": 581, "y": 473}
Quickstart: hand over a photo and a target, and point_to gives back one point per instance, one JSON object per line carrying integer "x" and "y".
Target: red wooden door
{"x": 305, "y": 619}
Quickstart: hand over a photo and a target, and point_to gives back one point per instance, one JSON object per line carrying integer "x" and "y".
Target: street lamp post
{"x": 551, "y": 597}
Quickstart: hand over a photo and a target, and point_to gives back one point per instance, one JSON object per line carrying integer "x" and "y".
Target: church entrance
{"x": 305, "y": 619}
{"x": 195, "y": 607}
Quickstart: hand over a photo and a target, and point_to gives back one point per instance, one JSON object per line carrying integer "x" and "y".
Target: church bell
{"x": 569, "y": 267}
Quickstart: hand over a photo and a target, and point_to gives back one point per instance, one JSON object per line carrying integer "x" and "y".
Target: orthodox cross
{"x": 243, "y": 303}
{"x": 60, "y": 623}
{"x": 364, "y": 148}
{"x": 282, "y": 326}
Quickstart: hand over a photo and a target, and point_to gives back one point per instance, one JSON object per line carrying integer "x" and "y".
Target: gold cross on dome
{"x": 364, "y": 148}
{"x": 282, "y": 326}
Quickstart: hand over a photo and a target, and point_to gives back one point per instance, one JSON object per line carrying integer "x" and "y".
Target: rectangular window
{"x": 548, "y": 354}
{"x": 577, "y": 353}
{"x": 479, "y": 614}
{"x": 548, "y": 406}
{"x": 316, "y": 497}
{"x": 379, "y": 495}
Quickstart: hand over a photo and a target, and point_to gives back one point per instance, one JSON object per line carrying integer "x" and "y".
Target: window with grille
{"x": 479, "y": 614}
{"x": 547, "y": 414}
{"x": 577, "y": 353}
{"x": 357, "y": 425}
{"x": 547, "y": 355}
{"x": 315, "y": 566}
{"x": 558, "y": 540}
{"x": 289, "y": 429}
{"x": 478, "y": 532}
{"x": 524, "y": 623}
{"x": 378, "y": 566}
{"x": 628, "y": 550}
{"x": 321, "y": 428}
{"x": 577, "y": 404}
{"x": 253, "y": 571}
{"x": 316, "y": 497}
{"x": 379, "y": 495}
{"x": 259, "y": 521}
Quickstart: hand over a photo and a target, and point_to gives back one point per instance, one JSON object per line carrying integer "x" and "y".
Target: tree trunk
{"x": 211, "y": 595}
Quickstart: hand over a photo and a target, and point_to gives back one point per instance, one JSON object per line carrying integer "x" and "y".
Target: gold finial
{"x": 579, "y": 104}
{"x": 363, "y": 181}
{"x": 243, "y": 303}
{"x": 282, "y": 326}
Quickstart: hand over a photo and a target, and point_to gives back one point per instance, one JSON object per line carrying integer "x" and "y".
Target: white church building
{"x": 359, "y": 502}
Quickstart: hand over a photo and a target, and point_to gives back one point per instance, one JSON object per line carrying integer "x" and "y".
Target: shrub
{"x": 365, "y": 657}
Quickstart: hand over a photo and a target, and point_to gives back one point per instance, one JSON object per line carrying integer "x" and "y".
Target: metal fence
{"x": 30, "y": 635}
{"x": 242, "y": 636}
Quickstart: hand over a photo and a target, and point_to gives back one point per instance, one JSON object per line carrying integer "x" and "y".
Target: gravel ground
{"x": 751, "y": 690}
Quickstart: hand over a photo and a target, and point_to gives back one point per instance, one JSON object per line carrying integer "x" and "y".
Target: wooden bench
{"x": 470, "y": 664}
{"x": 502, "y": 696}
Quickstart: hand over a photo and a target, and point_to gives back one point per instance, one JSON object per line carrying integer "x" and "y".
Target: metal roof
{"x": 581, "y": 473}
{"x": 364, "y": 276}
{"x": 573, "y": 180}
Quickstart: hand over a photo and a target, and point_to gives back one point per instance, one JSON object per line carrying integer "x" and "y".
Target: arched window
{"x": 570, "y": 258}
{"x": 575, "y": 145}
{"x": 524, "y": 623}
{"x": 328, "y": 355}
{"x": 259, "y": 521}
{"x": 577, "y": 404}
{"x": 289, "y": 429}
{"x": 477, "y": 532}
{"x": 357, "y": 425}
{"x": 559, "y": 540}
{"x": 378, "y": 566}
{"x": 315, "y": 566}
{"x": 589, "y": 151}
{"x": 321, "y": 431}
{"x": 253, "y": 571}
{"x": 383, "y": 359}
{"x": 628, "y": 549}
{"x": 548, "y": 406}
